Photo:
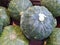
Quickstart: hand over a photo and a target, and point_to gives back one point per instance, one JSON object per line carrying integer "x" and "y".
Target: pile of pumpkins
{"x": 36, "y": 22}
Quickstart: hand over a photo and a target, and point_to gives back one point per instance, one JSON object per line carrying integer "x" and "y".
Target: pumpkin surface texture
{"x": 16, "y": 6}
{"x": 12, "y": 35}
{"x": 37, "y": 22}
{"x": 54, "y": 37}
{"x": 53, "y": 6}
{"x": 4, "y": 18}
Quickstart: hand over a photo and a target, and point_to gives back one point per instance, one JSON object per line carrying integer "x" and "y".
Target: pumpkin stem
{"x": 14, "y": 24}
{"x": 44, "y": 42}
{"x": 41, "y": 17}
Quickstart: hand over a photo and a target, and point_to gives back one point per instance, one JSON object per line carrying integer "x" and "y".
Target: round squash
{"x": 16, "y": 6}
{"x": 37, "y": 22}
{"x": 53, "y": 6}
{"x": 4, "y": 18}
{"x": 12, "y": 35}
{"x": 54, "y": 38}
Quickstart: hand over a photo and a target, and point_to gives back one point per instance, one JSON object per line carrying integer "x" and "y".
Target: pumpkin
{"x": 12, "y": 35}
{"x": 37, "y": 22}
{"x": 54, "y": 37}
{"x": 53, "y": 6}
{"x": 16, "y": 6}
{"x": 4, "y": 18}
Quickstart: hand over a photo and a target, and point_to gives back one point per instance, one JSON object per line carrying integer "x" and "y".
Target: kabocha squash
{"x": 54, "y": 38}
{"x": 37, "y": 22}
{"x": 12, "y": 35}
{"x": 4, "y": 18}
{"x": 16, "y": 6}
{"x": 53, "y": 6}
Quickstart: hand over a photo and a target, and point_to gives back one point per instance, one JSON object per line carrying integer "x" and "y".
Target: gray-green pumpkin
{"x": 4, "y": 18}
{"x": 16, "y": 6}
{"x": 37, "y": 22}
{"x": 12, "y": 35}
{"x": 53, "y": 6}
{"x": 54, "y": 38}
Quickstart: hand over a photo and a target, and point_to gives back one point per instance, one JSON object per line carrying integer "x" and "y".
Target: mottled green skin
{"x": 53, "y": 6}
{"x": 32, "y": 27}
{"x": 16, "y": 6}
{"x": 19, "y": 40}
{"x": 4, "y": 18}
{"x": 54, "y": 38}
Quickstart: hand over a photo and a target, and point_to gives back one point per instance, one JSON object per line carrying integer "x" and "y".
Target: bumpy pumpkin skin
{"x": 53, "y": 6}
{"x": 35, "y": 28}
{"x": 54, "y": 38}
{"x": 4, "y": 18}
{"x": 12, "y": 35}
{"x": 16, "y": 6}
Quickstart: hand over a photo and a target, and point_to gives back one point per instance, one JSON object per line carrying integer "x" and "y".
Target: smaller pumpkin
{"x": 53, "y": 6}
{"x": 4, "y": 18}
{"x": 37, "y": 22}
{"x": 16, "y": 6}
{"x": 54, "y": 38}
{"x": 12, "y": 35}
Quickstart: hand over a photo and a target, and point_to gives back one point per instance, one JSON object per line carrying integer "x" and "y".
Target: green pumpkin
{"x": 16, "y": 6}
{"x": 54, "y": 38}
{"x": 12, "y": 35}
{"x": 4, "y": 18}
{"x": 37, "y": 22}
{"x": 53, "y": 6}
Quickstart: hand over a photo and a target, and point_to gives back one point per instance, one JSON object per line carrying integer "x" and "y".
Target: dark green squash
{"x": 4, "y": 18}
{"x": 12, "y": 35}
{"x": 53, "y": 6}
{"x": 54, "y": 38}
{"x": 16, "y": 6}
{"x": 37, "y": 22}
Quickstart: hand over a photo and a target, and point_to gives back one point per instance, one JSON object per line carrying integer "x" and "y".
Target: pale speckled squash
{"x": 4, "y": 18}
{"x": 37, "y": 22}
{"x": 16, "y": 6}
{"x": 54, "y": 38}
{"x": 53, "y": 6}
{"x": 12, "y": 35}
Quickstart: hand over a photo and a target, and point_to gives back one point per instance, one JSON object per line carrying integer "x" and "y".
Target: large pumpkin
{"x": 4, "y": 18}
{"x": 12, "y": 35}
{"x": 53, "y": 6}
{"x": 16, "y": 6}
{"x": 54, "y": 38}
{"x": 37, "y": 22}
